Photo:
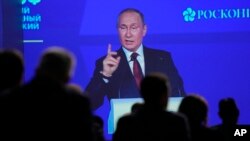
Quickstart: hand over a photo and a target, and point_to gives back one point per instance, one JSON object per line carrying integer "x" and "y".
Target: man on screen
{"x": 118, "y": 74}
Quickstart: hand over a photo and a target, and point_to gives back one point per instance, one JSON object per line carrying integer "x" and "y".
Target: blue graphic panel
{"x": 169, "y": 16}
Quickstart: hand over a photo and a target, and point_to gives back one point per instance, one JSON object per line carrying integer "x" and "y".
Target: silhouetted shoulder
{"x": 175, "y": 115}
{"x": 154, "y": 126}
{"x": 179, "y": 121}
{"x": 126, "y": 129}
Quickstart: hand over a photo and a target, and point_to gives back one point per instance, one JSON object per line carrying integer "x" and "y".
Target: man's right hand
{"x": 110, "y": 63}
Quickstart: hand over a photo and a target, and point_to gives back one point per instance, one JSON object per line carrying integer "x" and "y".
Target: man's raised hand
{"x": 111, "y": 62}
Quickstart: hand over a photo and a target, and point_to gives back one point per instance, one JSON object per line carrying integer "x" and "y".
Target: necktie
{"x": 136, "y": 69}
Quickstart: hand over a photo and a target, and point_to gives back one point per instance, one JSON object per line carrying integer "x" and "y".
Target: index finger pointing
{"x": 109, "y": 48}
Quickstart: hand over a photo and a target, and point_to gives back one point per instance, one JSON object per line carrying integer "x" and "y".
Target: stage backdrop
{"x": 11, "y": 33}
{"x": 208, "y": 40}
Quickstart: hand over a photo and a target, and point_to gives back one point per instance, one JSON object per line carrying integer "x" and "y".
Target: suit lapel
{"x": 149, "y": 60}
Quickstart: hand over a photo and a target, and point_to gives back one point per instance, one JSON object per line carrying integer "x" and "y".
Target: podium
{"x": 121, "y": 107}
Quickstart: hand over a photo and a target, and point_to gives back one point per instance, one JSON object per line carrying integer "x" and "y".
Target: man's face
{"x": 131, "y": 30}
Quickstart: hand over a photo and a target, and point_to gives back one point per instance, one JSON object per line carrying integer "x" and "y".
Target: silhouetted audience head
{"x": 12, "y": 67}
{"x": 228, "y": 111}
{"x": 155, "y": 90}
{"x": 57, "y": 63}
{"x": 195, "y": 107}
{"x": 136, "y": 107}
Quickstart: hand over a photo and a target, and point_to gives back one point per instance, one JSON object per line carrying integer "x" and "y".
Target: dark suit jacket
{"x": 122, "y": 83}
{"x": 152, "y": 125}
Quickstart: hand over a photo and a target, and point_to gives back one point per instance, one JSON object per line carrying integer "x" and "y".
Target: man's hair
{"x": 228, "y": 110}
{"x": 131, "y": 10}
{"x": 195, "y": 107}
{"x": 136, "y": 107}
{"x": 154, "y": 87}
{"x": 57, "y": 62}
{"x": 12, "y": 67}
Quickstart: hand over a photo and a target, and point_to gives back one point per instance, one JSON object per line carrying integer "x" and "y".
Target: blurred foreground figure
{"x": 12, "y": 68}
{"x": 195, "y": 108}
{"x": 229, "y": 114}
{"x": 45, "y": 108}
{"x": 151, "y": 122}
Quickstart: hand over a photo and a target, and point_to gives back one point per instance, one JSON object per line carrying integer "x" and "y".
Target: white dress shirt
{"x": 140, "y": 58}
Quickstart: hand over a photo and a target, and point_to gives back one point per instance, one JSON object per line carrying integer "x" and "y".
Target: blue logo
{"x": 206, "y": 14}
{"x": 34, "y": 2}
{"x": 189, "y": 15}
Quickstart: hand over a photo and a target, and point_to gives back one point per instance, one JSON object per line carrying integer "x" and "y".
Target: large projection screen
{"x": 210, "y": 48}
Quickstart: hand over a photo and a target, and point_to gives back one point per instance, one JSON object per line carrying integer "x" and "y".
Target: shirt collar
{"x": 128, "y": 53}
